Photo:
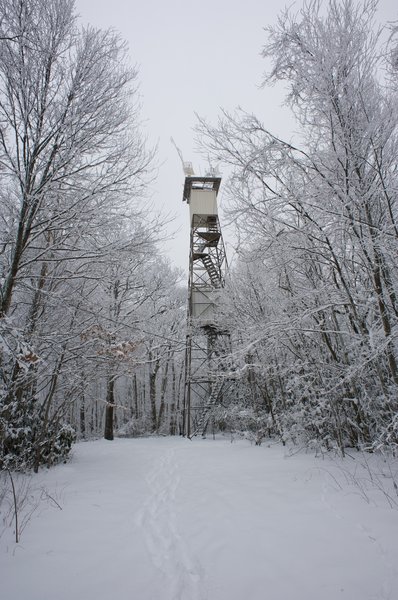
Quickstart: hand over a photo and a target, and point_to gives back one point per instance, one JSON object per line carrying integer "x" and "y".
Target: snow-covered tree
{"x": 321, "y": 216}
{"x": 73, "y": 168}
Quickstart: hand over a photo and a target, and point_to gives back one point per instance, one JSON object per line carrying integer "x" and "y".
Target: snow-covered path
{"x": 169, "y": 519}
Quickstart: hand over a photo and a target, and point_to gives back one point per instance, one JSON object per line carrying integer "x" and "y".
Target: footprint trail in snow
{"x": 166, "y": 546}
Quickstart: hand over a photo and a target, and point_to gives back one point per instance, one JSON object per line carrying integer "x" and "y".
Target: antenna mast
{"x": 186, "y": 166}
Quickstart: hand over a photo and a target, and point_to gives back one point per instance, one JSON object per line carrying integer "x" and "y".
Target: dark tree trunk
{"x": 109, "y": 411}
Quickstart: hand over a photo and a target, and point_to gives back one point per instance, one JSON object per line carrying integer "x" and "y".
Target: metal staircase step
{"x": 211, "y": 270}
{"x": 206, "y": 409}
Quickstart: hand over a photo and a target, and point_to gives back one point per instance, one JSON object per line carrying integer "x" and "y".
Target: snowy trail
{"x": 158, "y": 520}
{"x": 170, "y": 519}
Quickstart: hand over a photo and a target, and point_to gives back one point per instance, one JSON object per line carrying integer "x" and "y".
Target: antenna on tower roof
{"x": 186, "y": 166}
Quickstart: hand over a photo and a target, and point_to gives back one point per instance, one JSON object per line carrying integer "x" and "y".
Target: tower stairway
{"x": 206, "y": 409}
{"x": 212, "y": 270}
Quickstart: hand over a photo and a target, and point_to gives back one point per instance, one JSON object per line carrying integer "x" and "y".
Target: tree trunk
{"x": 109, "y": 411}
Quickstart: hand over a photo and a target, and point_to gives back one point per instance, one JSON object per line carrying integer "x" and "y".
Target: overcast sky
{"x": 195, "y": 57}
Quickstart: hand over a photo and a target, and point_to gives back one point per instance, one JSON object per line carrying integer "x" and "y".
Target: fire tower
{"x": 207, "y": 344}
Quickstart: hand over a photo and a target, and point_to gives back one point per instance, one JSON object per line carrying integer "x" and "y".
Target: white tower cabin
{"x": 206, "y": 343}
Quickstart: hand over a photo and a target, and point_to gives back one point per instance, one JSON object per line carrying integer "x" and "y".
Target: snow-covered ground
{"x": 170, "y": 519}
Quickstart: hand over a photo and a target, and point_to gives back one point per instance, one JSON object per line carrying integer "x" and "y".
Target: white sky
{"x": 195, "y": 57}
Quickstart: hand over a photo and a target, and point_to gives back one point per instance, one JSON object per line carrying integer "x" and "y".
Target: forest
{"x": 93, "y": 315}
